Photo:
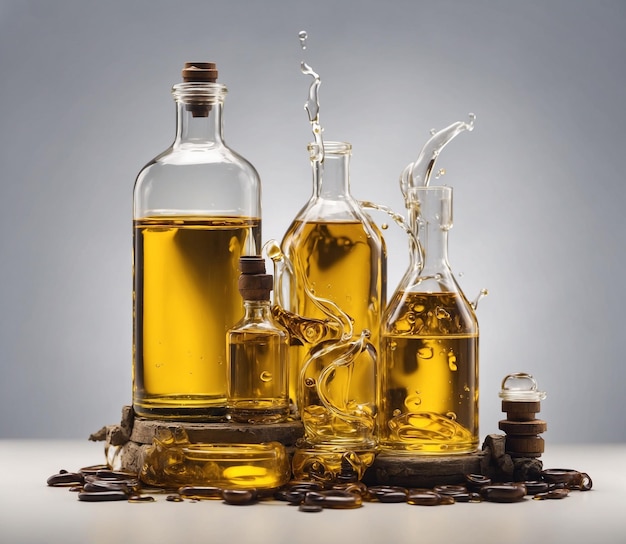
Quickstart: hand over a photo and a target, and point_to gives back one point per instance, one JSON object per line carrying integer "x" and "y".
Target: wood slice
{"x": 525, "y": 446}
{"x": 144, "y": 430}
{"x": 422, "y": 471}
{"x": 533, "y": 427}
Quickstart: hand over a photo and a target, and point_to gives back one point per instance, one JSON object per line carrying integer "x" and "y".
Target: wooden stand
{"x": 127, "y": 443}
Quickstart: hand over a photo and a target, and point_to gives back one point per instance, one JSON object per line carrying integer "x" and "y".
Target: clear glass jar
{"x": 197, "y": 210}
{"x": 429, "y": 371}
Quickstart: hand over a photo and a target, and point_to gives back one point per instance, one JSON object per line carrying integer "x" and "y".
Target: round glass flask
{"x": 429, "y": 372}
{"x": 197, "y": 210}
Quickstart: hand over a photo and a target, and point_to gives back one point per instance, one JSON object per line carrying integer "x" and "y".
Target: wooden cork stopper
{"x": 254, "y": 283}
{"x": 200, "y": 71}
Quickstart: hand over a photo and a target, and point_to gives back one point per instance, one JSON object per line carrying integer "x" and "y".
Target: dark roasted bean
{"x": 450, "y": 490}
{"x": 102, "y": 496}
{"x": 65, "y": 479}
{"x": 310, "y": 508}
{"x": 333, "y": 498}
{"x": 534, "y": 486}
{"x": 305, "y": 485}
{"x": 553, "y": 494}
{"x": 239, "y": 496}
{"x": 93, "y": 469}
{"x": 475, "y": 481}
{"x": 423, "y": 497}
{"x": 291, "y": 496}
{"x": 117, "y": 475}
{"x": 75, "y": 488}
{"x": 200, "y": 492}
{"x": 387, "y": 493}
{"x": 141, "y": 498}
{"x": 174, "y": 498}
{"x": 353, "y": 487}
{"x": 503, "y": 492}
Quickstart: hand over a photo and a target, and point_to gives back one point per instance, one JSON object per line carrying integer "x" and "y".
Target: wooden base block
{"x": 423, "y": 470}
{"x": 144, "y": 430}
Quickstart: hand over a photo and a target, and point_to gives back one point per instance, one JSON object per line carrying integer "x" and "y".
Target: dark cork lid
{"x": 254, "y": 283}
{"x": 200, "y": 71}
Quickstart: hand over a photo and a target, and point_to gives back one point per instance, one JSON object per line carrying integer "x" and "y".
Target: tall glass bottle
{"x": 196, "y": 212}
{"x": 337, "y": 252}
{"x": 429, "y": 344}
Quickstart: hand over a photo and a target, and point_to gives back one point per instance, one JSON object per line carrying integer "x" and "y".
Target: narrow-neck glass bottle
{"x": 429, "y": 345}
{"x": 257, "y": 350}
{"x": 337, "y": 253}
{"x": 196, "y": 211}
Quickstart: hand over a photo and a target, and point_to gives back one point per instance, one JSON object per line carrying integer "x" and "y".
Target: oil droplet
{"x": 466, "y": 388}
{"x": 384, "y": 226}
{"x": 393, "y": 346}
{"x": 396, "y": 412}
{"x": 425, "y": 353}
{"x": 440, "y": 172}
{"x": 451, "y": 415}
{"x": 433, "y": 131}
{"x": 266, "y": 376}
{"x": 309, "y": 382}
{"x": 302, "y": 36}
{"x": 452, "y": 361}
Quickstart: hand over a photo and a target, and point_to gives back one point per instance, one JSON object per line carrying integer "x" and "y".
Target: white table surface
{"x": 31, "y": 512}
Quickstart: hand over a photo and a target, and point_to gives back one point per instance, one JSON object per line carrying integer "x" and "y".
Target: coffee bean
{"x": 102, "y": 496}
{"x": 239, "y": 496}
{"x": 503, "y": 492}
{"x": 65, "y": 479}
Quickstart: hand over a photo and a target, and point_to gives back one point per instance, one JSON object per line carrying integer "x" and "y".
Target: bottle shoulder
{"x": 211, "y": 158}
{"x": 265, "y": 327}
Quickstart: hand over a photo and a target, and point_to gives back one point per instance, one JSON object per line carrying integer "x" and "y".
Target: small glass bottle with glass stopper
{"x": 257, "y": 353}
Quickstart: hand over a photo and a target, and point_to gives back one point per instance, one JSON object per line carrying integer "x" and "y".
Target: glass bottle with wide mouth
{"x": 429, "y": 373}
{"x": 197, "y": 209}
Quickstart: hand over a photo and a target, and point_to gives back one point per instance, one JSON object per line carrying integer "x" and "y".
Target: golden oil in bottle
{"x": 343, "y": 262}
{"x": 185, "y": 299}
{"x": 429, "y": 375}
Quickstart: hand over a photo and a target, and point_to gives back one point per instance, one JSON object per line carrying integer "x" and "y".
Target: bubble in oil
{"x": 425, "y": 353}
{"x": 412, "y": 401}
{"x": 384, "y": 226}
{"x": 309, "y": 382}
{"x": 396, "y": 412}
{"x": 266, "y": 376}
{"x": 452, "y": 361}
{"x": 442, "y": 313}
{"x": 440, "y": 172}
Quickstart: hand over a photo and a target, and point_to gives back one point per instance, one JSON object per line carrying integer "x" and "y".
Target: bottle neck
{"x": 199, "y": 110}
{"x": 431, "y": 217}
{"x": 257, "y": 310}
{"x": 331, "y": 176}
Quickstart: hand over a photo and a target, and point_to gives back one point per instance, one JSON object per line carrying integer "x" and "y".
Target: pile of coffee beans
{"x": 99, "y": 484}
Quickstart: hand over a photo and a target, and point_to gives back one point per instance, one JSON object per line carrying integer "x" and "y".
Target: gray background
{"x": 539, "y": 184}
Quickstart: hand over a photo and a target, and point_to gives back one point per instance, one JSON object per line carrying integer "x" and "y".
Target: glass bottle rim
{"x": 209, "y": 91}
{"x": 333, "y": 148}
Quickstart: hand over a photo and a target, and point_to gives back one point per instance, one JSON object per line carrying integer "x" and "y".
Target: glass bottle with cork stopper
{"x": 257, "y": 353}
{"x": 196, "y": 211}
